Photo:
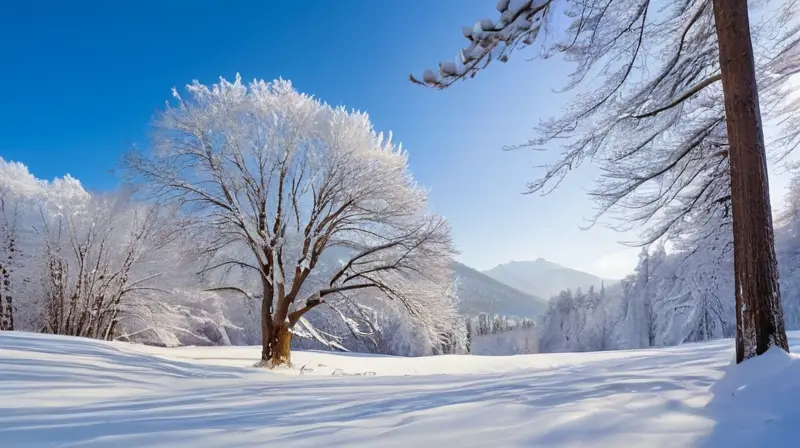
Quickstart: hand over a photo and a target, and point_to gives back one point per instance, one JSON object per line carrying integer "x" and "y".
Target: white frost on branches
{"x": 276, "y": 181}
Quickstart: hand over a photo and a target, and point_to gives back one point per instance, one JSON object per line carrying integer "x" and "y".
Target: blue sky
{"x": 83, "y": 81}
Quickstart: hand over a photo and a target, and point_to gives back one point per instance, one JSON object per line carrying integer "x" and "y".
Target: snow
{"x": 758, "y": 400}
{"x": 72, "y": 392}
{"x": 429, "y": 76}
{"x": 448, "y": 68}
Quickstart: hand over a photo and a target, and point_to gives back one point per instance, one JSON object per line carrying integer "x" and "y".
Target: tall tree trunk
{"x": 758, "y": 300}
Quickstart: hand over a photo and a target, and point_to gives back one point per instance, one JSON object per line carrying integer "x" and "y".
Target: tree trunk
{"x": 112, "y": 329}
{"x": 266, "y": 334}
{"x": 276, "y": 346}
{"x": 9, "y": 313}
{"x": 758, "y": 301}
{"x": 282, "y": 346}
{"x": 276, "y": 336}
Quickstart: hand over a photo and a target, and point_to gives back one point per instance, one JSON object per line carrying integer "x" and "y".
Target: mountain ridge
{"x": 479, "y": 293}
{"x": 543, "y": 278}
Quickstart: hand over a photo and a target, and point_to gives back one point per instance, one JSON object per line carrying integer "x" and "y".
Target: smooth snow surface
{"x": 69, "y": 392}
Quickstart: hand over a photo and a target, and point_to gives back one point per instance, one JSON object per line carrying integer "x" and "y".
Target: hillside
{"x": 543, "y": 278}
{"x": 60, "y": 391}
{"x": 480, "y": 293}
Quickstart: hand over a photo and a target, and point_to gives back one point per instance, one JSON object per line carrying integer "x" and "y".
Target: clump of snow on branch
{"x": 518, "y": 26}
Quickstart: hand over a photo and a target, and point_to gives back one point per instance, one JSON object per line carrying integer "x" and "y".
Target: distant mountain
{"x": 480, "y": 293}
{"x": 543, "y": 278}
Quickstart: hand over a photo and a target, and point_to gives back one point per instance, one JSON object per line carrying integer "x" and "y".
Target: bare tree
{"x": 99, "y": 260}
{"x": 274, "y": 180}
{"x": 657, "y": 124}
{"x": 8, "y": 261}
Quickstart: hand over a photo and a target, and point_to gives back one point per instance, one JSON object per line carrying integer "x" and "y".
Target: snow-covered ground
{"x": 66, "y": 392}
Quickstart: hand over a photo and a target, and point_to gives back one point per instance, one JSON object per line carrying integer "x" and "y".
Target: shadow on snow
{"x": 183, "y": 405}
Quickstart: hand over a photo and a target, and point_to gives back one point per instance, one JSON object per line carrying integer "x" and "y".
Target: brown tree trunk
{"x": 276, "y": 346}
{"x": 282, "y": 346}
{"x": 276, "y": 336}
{"x": 758, "y": 299}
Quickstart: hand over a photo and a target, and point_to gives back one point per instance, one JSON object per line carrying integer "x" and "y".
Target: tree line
{"x": 673, "y": 297}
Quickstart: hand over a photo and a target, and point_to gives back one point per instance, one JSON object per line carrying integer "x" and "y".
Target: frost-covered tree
{"x": 675, "y": 114}
{"x": 101, "y": 258}
{"x": 367, "y": 323}
{"x": 669, "y": 299}
{"x": 281, "y": 186}
{"x": 698, "y": 286}
{"x": 638, "y": 319}
{"x": 24, "y": 200}
{"x": 787, "y": 243}
{"x": 75, "y": 263}
{"x": 9, "y": 261}
{"x": 560, "y": 328}
{"x": 485, "y": 324}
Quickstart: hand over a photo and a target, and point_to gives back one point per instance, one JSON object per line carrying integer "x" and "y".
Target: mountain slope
{"x": 543, "y": 278}
{"x": 480, "y": 293}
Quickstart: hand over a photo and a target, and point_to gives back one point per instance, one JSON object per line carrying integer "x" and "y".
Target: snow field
{"x": 71, "y": 392}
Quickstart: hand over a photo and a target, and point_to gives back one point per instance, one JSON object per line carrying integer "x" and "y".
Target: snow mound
{"x": 756, "y": 402}
{"x": 72, "y": 392}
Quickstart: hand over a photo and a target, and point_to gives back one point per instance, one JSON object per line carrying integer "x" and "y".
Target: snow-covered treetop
{"x": 18, "y": 182}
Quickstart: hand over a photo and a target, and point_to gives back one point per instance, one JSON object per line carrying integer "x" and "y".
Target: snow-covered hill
{"x": 70, "y": 392}
{"x": 543, "y": 278}
{"x": 479, "y": 293}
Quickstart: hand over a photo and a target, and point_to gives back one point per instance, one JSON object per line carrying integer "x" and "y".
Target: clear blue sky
{"x": 81, "y": 82}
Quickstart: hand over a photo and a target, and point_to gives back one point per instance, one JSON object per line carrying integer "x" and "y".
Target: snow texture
{"x": 61, "y": 391}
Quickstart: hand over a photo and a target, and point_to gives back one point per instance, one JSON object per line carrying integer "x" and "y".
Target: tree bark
{"x": 282, "y": 346}
{"x": 276, "y": 346}
{"x": 276, "y": 335}
{"x": 266, "y": 333}
{"x": 6, "y": 306}
{"x": 758, "y": 300}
